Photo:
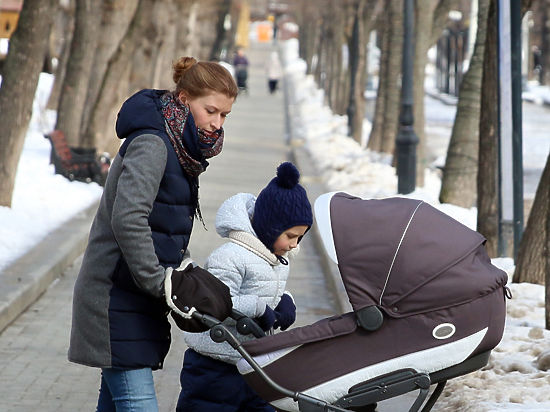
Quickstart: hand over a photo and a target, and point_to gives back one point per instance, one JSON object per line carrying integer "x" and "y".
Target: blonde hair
{"x": 198, "y": 78}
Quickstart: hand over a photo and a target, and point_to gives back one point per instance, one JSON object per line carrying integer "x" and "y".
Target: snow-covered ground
{"x": 518, "y": 376}
{"x": 42, "y": 200}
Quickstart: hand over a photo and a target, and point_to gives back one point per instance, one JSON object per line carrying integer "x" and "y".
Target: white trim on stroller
{"x": 428, "y": 361}
{"x": 322, "y": 215}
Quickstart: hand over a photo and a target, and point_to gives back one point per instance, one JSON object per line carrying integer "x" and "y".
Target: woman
{"x": 142, "y": 227}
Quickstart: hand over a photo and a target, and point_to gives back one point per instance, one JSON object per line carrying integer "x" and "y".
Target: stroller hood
{"x": 403, "y": 255}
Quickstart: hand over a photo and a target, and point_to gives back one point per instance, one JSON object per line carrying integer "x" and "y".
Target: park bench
{"x": 77, "y": 163}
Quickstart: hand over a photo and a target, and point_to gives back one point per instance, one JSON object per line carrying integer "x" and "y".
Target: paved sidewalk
{"x": 35, "y": 374}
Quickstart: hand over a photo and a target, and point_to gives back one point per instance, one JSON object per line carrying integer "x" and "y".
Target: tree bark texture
{"x": 384, "y": 33}
{"x": 116, "y": 16}
{"x": 75, "y": 83}
{"x": 355, "y": 109}
{"x": 20, "y": 74}
{"x": 111, "y": 94}
{"x": 532, "y": 260}
{"x": 62, "y": 31}
{"x": 487, "y": 184}
{"x": 487, "y": 176}
{"x": 215, "y": 52}
{"x": 459, "y": 180}
{"x": 393, "y": 90}
{"x": 430, "y": 19}
{"x": 547, "y": 269}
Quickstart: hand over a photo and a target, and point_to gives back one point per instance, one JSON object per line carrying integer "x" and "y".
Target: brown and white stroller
{"x": 428, "y": 306}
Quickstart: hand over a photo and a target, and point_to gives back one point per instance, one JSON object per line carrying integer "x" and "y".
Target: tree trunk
{"x": 430, "y": 19}
{"x": 375, "y": 137}
{"x": 393, "y": 89}
{"x": 422, "y": 31}
{"x": 531, "y": 264}
{"x": 357, "y": 49}
{"x": 75, "y": 83}
{"x": 63, "y": 28}
{"x": 111, "y": 95}
{"x": 547, "y": 269}
{"x": 20, "y": 74}
{"x": 487, "y": 185}
{"x": 460, "y": 173}
{"x": 487, "y": 178}
{"x": 223, "y": 10}
{"x": 116, "y": 16}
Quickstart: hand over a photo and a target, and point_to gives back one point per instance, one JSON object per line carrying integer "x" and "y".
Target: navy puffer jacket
{"x": 142, "y": 226}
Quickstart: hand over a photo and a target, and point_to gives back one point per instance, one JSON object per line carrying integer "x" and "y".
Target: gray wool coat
{"x": 253, "y": 274}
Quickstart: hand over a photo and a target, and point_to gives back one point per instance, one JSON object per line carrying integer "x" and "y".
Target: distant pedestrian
{"x": 274, "y": 71}
{"x": 263, "y": 234}
{"x": 142, "y": 229}
{"x": 240, "y": 62}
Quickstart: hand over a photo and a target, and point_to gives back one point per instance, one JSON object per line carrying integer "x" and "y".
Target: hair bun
{"x": 181, "y": 65}
{"x": 288, "y": 176}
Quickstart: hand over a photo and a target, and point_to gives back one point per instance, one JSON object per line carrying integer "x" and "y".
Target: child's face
{"x": 288, "y": 240}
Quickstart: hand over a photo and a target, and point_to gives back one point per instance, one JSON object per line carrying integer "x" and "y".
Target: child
{"x": 263, "y": 235}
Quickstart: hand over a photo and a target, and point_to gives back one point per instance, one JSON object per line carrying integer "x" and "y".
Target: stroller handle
{"x": 246, "y": 325}
{"x": 219, "y": 333}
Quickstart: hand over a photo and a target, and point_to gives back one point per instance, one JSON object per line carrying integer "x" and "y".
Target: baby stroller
{"x": 428, "y": 306}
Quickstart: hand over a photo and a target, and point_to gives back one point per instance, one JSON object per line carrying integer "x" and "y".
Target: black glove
{"x": 195, "y": 287}
{"x": 285, "y": 312}
{"x": 266, "y": 320}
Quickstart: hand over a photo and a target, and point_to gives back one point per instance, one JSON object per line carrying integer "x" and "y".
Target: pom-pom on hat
{"x": 282, "y": 204}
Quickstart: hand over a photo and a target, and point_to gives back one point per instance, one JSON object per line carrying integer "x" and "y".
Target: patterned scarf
{"x": 210, "y": 143}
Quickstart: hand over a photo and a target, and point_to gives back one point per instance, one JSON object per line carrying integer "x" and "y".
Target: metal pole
{"x": 406, "y": 139}
{"x": 506, "y": 200}
{"x": 517, "y": 144}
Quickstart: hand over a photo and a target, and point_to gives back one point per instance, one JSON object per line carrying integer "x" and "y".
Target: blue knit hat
{"x": 282, "y": 204}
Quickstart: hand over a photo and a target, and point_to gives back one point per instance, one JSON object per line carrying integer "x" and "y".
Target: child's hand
{"x": 267, "y": 320}
{"x": 285, "y": 312}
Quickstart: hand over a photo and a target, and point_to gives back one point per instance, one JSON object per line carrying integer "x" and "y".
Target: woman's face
{"x": 209, "y": 111}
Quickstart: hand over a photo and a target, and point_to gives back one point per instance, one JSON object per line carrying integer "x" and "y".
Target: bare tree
{"x": 533, "y": 253}
{"x": 20, "y": 74}
{"x": 384, "y": 34}
{"x": 487, "y": 184}
{"x": 460, "y": 173}
{"x": 386, "y": 118}
{"x": 61, "y": 36}
{"x": 111, "y": 94}
{"x": 430, "y": 19}
{"x": 365, "y": 14}
{"x": 115, "y": 18}
{"x": 547, "y": 269}
{"x": 217, "y": 46}
{"x": 75, "y": 83}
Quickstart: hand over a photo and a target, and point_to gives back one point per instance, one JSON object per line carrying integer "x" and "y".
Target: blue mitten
{"x": 267, "y": 320}
{"x": 285, "y": 312}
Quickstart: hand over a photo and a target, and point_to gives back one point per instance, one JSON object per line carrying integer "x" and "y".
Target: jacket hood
{"x": 140, "y": 112}
{"x": 235, "y": 214}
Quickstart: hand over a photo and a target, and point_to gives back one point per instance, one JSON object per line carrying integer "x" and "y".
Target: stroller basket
{"x": 428, "y": 306}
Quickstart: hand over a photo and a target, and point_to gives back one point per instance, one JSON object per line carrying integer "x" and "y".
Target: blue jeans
{"x": 127, "y": 390}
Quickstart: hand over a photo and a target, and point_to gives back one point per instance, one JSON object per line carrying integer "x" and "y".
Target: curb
{"x": 24, "y": 281}
{"x": 312, "y": 181}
